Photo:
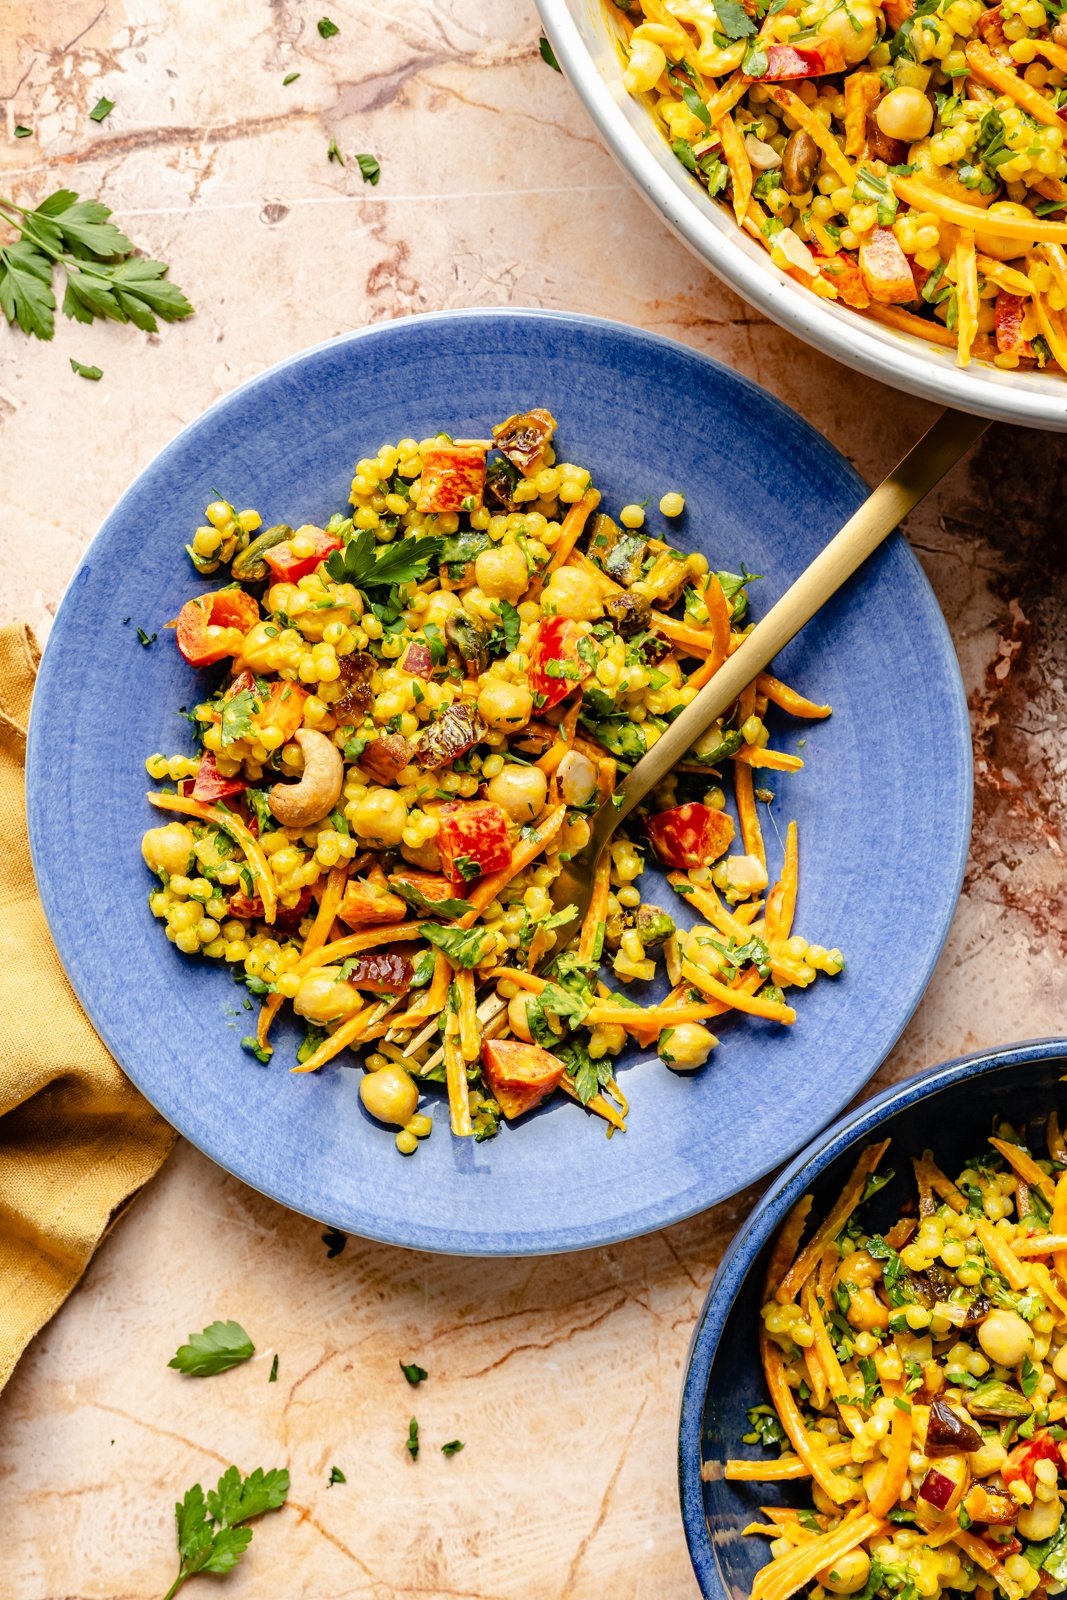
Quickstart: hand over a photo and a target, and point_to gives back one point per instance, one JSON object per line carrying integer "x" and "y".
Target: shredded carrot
{"x": 751, "y": 832}
{"x": 888, "y": 1492}
{"x": 727, "y": 96}
{"x": 1023, "y": 1163}
{"x": 1005, "y": 277}
{"x": 787, "y": 699}
{"x": 1001, "y": 1254}
{"x": 941, "y": 1183}
{"x": 691, "y": 641}
{"x": 737, "y": 999}
{"x": 703, "y": 898}
{"x": 816, "y": 1378}
{"x": 525, "y": 852}
{"x": 847, "y": 1201}
{"x": 811, "y": 1454}
{"x": 851, "y": 1416}
{"x": 773, "y": 1582}
{"x": 1052, "y": 52}
{"x": 1040, "y": 1244}
{"x": 733, "y": 148}
{"x": 597, "y": 1104}
{"x": 1042, "y": 1279}
{"x": 318, "y": 933}
{"x": 982, "y": 1556}
{"x": 966, "y": 268}
{"x": 569, "y": 534}
{"x": 591, "y": 943}
{"x": 862, "y": 89}
{"x": 238, "y": 832}
{"x": 786, "y": 1467}
{"x": 352, "y": 944}
{"x": 459, "y": 1104}
{"x": 470, "y": 1042}
{"x": 1057, "y": 1149}
{"x": 787, "y": 1244}
{"x": 348, "y": 1033}
{"x": 822, "y": 136}
{"x": 1058, "y": 1220}
{"x": 1053, "y": 327}
{"x": 757, "y": 755}
{"x": 987, "y": 69}
{"x": 1056, "y": 258}
{"x": 649, "y": 1018}
{"x": 922, "y": 198}
{"x": 782, "y": 900}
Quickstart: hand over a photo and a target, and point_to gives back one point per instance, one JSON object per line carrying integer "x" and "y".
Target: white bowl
{"x": 586, "y": 39}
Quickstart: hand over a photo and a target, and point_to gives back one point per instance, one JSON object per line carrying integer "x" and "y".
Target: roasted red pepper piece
{"x": 249, "y": 908}
{"x": 365, "y": 902}
{"x": 386, "y": 757}
{"x": 286, "y": 567}
{"x": 692, "y": 835}
{"x": 1010, "y": 310}
{"x": 210, "y": 785}
{"x": 844, "y": 273}
{"x": 212, "y": 626}
{"x": 452, "y": 476}
{"x": 472, "y": 839}
{"x": 886, "y": 269}
{"x": 1022, "y": 1461}
{"x": 785, "y": 61}
{"x": 556, "y": 668}
{"x": 456, "y": 731}
{"x": 520, "y": 1075}
{"x": 283, "y": 708}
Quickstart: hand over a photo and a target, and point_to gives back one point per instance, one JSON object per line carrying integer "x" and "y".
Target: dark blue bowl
{"x": 949, "y": 1109}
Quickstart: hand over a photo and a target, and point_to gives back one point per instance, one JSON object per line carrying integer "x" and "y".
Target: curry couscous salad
{"x": 423, "y": 704}
{"x": 918, "y": 1380}
{"x": 903, "y": 157}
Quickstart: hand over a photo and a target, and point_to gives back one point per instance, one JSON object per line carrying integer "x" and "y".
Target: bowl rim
{"x": 762, "y": 1222}
{"x": 888, "y": 355}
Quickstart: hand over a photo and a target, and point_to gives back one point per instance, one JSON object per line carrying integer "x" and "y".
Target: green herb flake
{"x": 413, "y": 1372}
{"x": 734, "y": 20}
{"x": 220, "y": 1346}
{"x": 370, "y": 167}
{"x": 274, "y": 1369}
{"x": 336, "y": 1476}
{"x": 548, "y": 55}
{"x": 103, "y": 108}
{"x": 94, "y": 374}
{"x": 22, "y": 132}
{"x": 146, "y": 639}
{"x": 262, "y": 1052}
{"x": 452, "y": 1448}
{"x": 411, "y": 1444}
{"x": 333, "y": 153}
{"x": 211, "y": 1532}
{"x": 326, "y": 28}
{"x": 290, "y": 77}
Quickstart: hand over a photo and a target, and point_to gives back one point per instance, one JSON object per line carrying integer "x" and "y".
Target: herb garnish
{"x": 94, "y": 374}
{"x": 464, "y": 945}
{"x": 212, "y": 1536}
{"x": 336, "y": 1476}
{"x": 548, "y": 55}
{"x": 413, "y": 1372}
{"x": 370, "y": 167}
{"x": 452, "y": 1448}
{"x": 221, "y": 1345}
{"x": 326, "y": 28}
{"x": 101, "y": 109}
{"x": 412, "y": 1443}
{"x": 368, "y": 564}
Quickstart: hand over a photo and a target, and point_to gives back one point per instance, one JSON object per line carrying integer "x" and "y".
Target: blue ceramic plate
{"x": 949, "y": 1109}
{"x": 883, "y": 820}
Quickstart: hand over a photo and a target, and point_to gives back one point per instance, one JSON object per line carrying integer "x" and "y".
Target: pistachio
{"x": 800, "y": 162}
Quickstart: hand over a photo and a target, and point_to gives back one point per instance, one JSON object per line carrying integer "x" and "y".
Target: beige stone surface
{"x": 561, "y": 1376}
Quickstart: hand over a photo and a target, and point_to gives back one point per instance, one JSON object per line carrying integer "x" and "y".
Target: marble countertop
{"x": 562, "y": 1376}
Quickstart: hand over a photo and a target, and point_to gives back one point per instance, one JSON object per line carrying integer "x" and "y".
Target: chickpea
{"x": 520, "y": 791}
{"x": 574, "y": 594}
{"x": 501, "y": 572}
{"x": 518, "y": 1006}
{"x": 1005, "y": 1338}
{"x": 390, "y": 1094}
{"x": 1041, "y": 1520}
{"x": 169, "y": 849}
{"x": 1000, "y": 245}
{"x": 904, "y": 114}
{"x": 380, "y": 816}
{"x": 855, "y": 28}
{"x": 686, "y": 1046}
{"x": 324, "y": 996}
{"x": 849, "y": 1573}
{"x": 505, "y": 705}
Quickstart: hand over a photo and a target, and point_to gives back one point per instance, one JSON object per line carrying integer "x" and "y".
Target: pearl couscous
{"x": 906, "y": 158}
{"x": 918, "y": 1378}
{"x": 422, "y": 705}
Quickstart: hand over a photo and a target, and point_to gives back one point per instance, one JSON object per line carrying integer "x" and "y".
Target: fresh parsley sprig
{"x": 370, "y": 565}
{"x": 221, "y": 1345}
{"x": 212, "y": 1531}
{"x": 104, "y": 276}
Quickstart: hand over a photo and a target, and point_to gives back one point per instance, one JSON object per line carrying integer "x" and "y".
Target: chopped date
{"x": 628, "y": 614}
{"x": 386, "y": 757}
{"x": 356, "y": 673}
{"x": 523, "y": 438}
{"x": 455, "y": 732}
{"x": 500, "y": 480}
{"x": 382, "y": 970}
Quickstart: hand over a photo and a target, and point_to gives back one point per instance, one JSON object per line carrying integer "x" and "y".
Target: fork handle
{"x": 924, "y": 465}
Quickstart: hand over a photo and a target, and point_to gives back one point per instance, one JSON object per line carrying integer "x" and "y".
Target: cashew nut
{"x": 296, "y": 805}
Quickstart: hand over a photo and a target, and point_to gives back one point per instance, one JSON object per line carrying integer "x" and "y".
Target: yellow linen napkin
{"x": 76, "y": 1138}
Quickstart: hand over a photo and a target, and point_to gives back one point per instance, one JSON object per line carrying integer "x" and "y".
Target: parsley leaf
{"x": 734, "y": 20}
{"x": 412, "y": 1443}
{"x": 368, "y": 564}
{"x": 413, "y": 1372}
{"x": 754, "y": 64}
{"x": 333, "y": 153}
{"x": 290, "y": 77}
{"x": 452, "y": 1448}
{"x": 326, "y": 28}
{"x": 146, "y": 639}
{"x": 548, "y": 55}
{"x": 370, "y": 167}
{"x": 221, "y": 1345}
{"x": 237, "y": 714}
{"x": 211, "y": 1535}
{"x": 765, "y": 1429}
{"x": 511, "y": 623}
{"x": 464, "y": 945}
{"x": 274, "y": 1369}
{"x": 101, "y": 109}
{"x": 425, "y": 907}
{"x": 1028, "y": 1377}
{"x": 555, "y": 1002}
{"x": 94, "y": 374}
{"x": 22, "y": 132}
{"x": 336, "y": 1476}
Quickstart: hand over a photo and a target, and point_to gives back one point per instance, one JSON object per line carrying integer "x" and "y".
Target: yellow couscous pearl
{"x": 631, "y": 516}
{"x": 672, "y": 504}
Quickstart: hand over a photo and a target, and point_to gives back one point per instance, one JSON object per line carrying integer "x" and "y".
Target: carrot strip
{"x": 353, "y": 943}
{"x": 597, "y": 1104}
{"x": 317, "y": 936}
{"x": 782, "y": 900}
{"x": 780, "y": 1579}
{"x": 851, "y": 1416}
{"x": 982, "y": 1556}
{"x": 690, "y": 640}
{"x": 733, "y": 148}
{"x": 940, "y": 1182}
{"x": 823, "y": 137}
{"x": 1058, "y": 1221}
{"x": 756, "y": 755}
{"x": 524, "y": 853}
{"x": 966, "y": 297}
{"x": 751, "y": 832}
{"x": 348, "y": 1033}
{"x": 786, "y": 1245}
{"x": 248, "y": 843}
{"x": 705, "y": 900}
{"x": 591, "y": 943}
{"x": 1053, "y": 327}
{"x": 816, "y": 1378}
{"x": 1023, "y": 1163}
{"x": 896, "y": 1471}
{"x": 1005, "y": 277}
{"x": 651, "y": 1018}
{"x": 987, "y": 69}
{"x": 569, "y": 534}
{"x": 1040, "y": 1244}
{"x": 787, "y": 699}
{"x": 847, "y": 1201}
{"x": 737, "y": 999}
{"x": 1043, "y": 1280}
{"x": 470, "y": 1042}
{"x": 1001, "y": 1254}
{"x": 459, "y": 1104}
{"x": 789, "y": 1416}
{"x": 964, "y": 215}
{"x": 785, "y": 1468}
{"x": 719, "y": 626}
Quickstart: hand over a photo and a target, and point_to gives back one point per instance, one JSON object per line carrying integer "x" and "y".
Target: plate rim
{"x": 759, "y": 1225}
{"x": 568, "y": 1238}
{"x": 891, "y": 357}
